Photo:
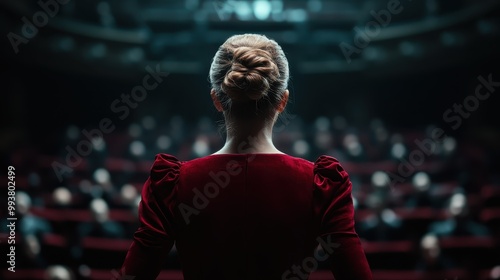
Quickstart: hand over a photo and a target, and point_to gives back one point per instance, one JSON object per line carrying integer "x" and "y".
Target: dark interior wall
{"x": 39, "y": 101}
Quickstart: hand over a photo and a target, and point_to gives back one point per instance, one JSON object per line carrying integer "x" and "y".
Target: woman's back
{"x": 258, "y": 215}
{"x": 248, "y": 216}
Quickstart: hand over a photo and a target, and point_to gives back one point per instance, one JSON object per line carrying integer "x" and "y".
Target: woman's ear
{"x": 216, "y": 101}
{"x": 284, "y": 100}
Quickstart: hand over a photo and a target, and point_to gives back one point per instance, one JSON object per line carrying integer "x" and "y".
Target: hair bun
{"x": 252, "y": 73}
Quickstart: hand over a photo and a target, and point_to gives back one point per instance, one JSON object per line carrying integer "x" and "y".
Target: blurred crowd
{"x": 430, "y": 207}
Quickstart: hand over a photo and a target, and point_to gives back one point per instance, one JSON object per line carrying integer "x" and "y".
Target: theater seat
{"x": 452, "y": 274}
{"x": 485, "y": 274}
{"x": 472, "y": 252}
{"x": 96, "y": 249}
{"x": 111, "y": 274}
{"x": 491, "y": 218}
{"x": 399, "y": 275}
{"x": 81, "y": 215}
{"x": 417, "y": 220}
{"x": 24, "y": 274}
{"x": 490, "y": 195}
{"x": 55, "y": 248}
{"x": 390, "y": 254}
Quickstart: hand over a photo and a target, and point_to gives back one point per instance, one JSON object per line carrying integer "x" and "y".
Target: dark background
{"x": 425, "y": 60}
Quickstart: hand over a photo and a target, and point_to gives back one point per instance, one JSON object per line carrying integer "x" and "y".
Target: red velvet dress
{"x": 247, "y": 216}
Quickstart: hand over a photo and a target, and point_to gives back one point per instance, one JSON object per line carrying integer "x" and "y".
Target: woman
{"x": 247, "y": 211}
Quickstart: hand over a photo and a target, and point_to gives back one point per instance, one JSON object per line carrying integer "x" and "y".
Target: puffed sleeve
{"x": 155, "y": 236}
{"x": 335, "y": 209}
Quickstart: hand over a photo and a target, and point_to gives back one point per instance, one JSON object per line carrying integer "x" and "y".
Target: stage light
{"x": 85, "y": 186}
{"x": 458, "y": 203}
{"x": 380, "y": 179}
{"x": 102, "y": 176}
{"x": 389, "y": 216}
{"x": 323, "y": 139}
{"x": 64, "y": 44}
{"x": 163, "y": 142}
{"x": 133, "y": 55}
{"x": 398, "y": 150}
{"x": 379, "y": 130}
{"x": 322, "y": 123}
{"x": 148, "y": 122}
{"x": 261, "y": 9}
{"x": 72, "y": 132}
{"x": 23, "y": 201}
{"x": 200, "y": 146}
{"x": 449, "y": 145}
{"x": 98, "y": 144}
{"x": 276, "y": 6}
{"x": 296, "y": 15}
{"x": 488, "y": 26}
{"x": 374, "y": 53}
{"x": 191, "y": 4}
{"x": 105, "y": 14}
{"x": 495, "y": 272}
{"x": 128, "y": 193}
{"x": 451, "y": 39}
{"x": 99, "y": 209}
{"x": 352, "y": 145}
{"x": 339, "y": 123}
{"x": 97, "y": 50}
{"x": 34, "y": 179}
{"x": 300, "y": 147}
{"x": 314, "y": 5}
{"x": 421, "y": 181}
{"x": 62, "y": 196}
{"x": 410, "y": 48}
{"x": 134, "y": 130}
{"x": 243, "y": 10}
{"x": 137, "y": 148}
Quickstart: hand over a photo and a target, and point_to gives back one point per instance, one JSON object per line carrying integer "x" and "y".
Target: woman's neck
{"x": 249, "y": 138}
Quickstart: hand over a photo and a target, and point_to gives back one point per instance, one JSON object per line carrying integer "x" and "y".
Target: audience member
{"x": 31, "y": 230}
{"x": 59, "y": 272}
{"x": 420, "y": 196}
{"x": 431, "y": 257}
{"x": 459, "y": 223}
{"x": 383, "y": 224}
{"x": 99, "y": 226}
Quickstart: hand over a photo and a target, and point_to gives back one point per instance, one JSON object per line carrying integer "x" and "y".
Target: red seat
{"x": 55, "y": 248}
{"x": 467, "y": 242}
{"x": 390, "y": 254}
{"x": 81, "y": 215}
{"x": 105, "y": 274}
{"x": 472, "y": 252}
{"x": 452, "y": 274}
{"x": 108, "y": 244}
{"x": 23, "y": 274}
{"x": 388, "y": 247}
{"x": 103, "y": 253}
{"x": 485, "y": 274}
{"x": 54, "y": 240}
{"x": 490, "y": 194}
{"x": 490, "y": 214}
